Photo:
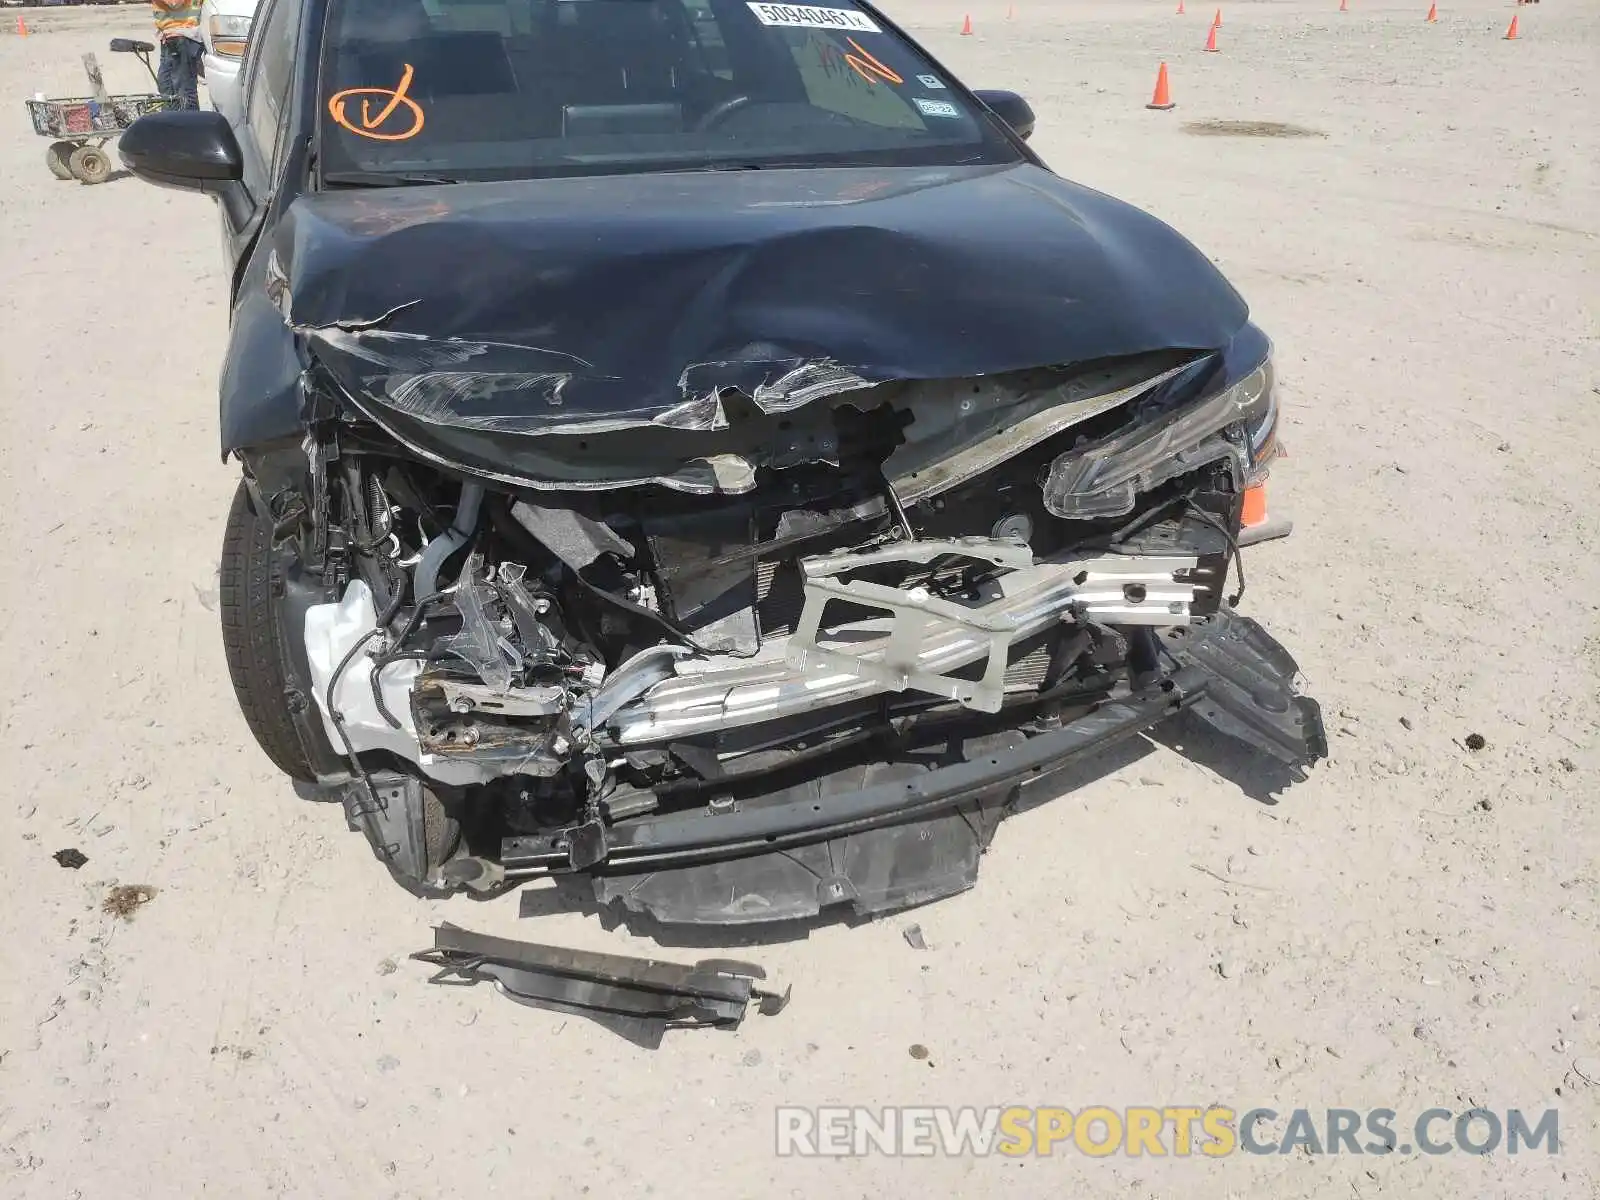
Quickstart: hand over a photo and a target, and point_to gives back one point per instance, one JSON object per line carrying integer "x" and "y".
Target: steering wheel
{"x": 719, "y": 113}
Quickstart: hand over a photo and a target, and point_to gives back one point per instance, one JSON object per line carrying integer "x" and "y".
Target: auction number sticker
{"x": 801, "y": 16}
{"x": 935, "y": 108}
{"x": 931, "y": 81}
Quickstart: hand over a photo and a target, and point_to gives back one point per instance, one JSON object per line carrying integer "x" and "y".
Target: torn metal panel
{"x": 699, "y": 475}
{"x": 639, "y": 301}
{"x": 638, "y": 998}
{"x": 481, "y": 385}
{"x": 773, "y": 387}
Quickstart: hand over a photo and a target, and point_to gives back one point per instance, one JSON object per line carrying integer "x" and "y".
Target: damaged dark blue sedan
{"x": 696, "y": 444}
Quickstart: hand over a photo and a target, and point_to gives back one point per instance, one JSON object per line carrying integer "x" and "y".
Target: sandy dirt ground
{"x": 1416, "y": 926}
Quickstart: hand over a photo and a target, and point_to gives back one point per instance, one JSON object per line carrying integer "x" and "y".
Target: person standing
{"x": 178, "y": 27}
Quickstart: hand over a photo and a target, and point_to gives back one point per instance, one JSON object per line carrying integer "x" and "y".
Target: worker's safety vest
{"x": 175, "y": 16}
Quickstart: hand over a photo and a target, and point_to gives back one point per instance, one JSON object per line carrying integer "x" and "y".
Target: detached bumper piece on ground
{"x": 638, "y": 998}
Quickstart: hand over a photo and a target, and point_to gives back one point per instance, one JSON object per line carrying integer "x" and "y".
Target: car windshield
{"x": 418, "y": 91}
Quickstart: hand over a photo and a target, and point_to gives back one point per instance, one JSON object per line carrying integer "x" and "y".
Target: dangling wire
{"x": 1234, "y": 557}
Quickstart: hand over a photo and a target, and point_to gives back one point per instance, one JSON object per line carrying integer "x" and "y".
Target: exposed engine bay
{"x": 888, "y": 583}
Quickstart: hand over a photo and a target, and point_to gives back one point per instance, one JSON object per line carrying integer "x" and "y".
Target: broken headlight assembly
{"x": 1238, "y": 423}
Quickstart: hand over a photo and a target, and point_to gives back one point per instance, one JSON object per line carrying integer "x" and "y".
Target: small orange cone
{"x": 1180, "y": 8}
{"x": 1163, "y": 98}
{"x": 1511, "y": 34}
{"x": 1255, "y": 506}
{"x": 1211, "y": 41}
{"x": 1216, "y": 21}
{"x": 22, "y": 26}
{"x": 1256, "y": 522}
{"x": 966, "y": 26}
{"x": 1343, "y": 7}
{"x": 1433, "y": 11}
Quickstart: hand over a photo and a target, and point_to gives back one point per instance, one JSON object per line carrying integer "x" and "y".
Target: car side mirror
{"x": 1010, "y": 108}
{"x": 185, "y": 148}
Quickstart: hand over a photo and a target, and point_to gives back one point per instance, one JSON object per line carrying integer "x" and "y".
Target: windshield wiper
{"x": 384, "y": 179}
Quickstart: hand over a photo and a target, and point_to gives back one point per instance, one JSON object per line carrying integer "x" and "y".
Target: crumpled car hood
{"x": 575, "y": 306}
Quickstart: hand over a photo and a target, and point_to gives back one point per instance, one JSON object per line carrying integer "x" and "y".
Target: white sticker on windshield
{"x": 803, "y": 16}
{"x": 935, "y": 108}
{"x": 931, "y": 81}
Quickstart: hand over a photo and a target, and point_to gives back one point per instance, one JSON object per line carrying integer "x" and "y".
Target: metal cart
{"x": 82, "y": 125}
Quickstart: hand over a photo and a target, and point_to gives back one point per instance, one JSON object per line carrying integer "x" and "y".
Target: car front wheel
{"x": 251, "y": 638}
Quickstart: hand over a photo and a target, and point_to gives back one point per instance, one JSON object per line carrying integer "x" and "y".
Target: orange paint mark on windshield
{"x": 868, "y": 67}
{"x": 371, "y": 124}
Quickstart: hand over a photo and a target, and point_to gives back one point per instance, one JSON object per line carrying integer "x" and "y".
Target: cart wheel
{"x": 90, "y": 164}
{"x": 56, "y": 158}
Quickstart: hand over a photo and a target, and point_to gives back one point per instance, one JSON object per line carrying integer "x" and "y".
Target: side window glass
{"x": 271, "y": 75}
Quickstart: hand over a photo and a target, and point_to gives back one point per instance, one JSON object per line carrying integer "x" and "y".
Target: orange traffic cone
{"x": 1256, "y": 522}
{"x": 1216, "y": 21}
{"x": 1343, "y": 7}
{"x": 22, "y": 26}
{"x": 1163, "y": 98}
{"x": 1180, "y": 8}
{"x": 966, "y": 26}
{"x": 1255, "y": 506}
{"x": 1433, "y": 11}
{"x": 1511, "y": 34}
{"x": 1211, "y": 41}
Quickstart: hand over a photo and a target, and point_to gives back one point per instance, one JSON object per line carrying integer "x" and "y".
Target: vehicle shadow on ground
{"x": 577, "y": 896}
{"x": 118, "y": 173}
{"x": 1257, "y": 774}
{"x": 1258, "y": 777}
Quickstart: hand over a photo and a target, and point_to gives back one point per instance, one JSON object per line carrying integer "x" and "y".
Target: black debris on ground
{"x": 71, "y": 858}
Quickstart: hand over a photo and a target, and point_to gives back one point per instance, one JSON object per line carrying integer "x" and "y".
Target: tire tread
{"x": 250, "y": 638}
